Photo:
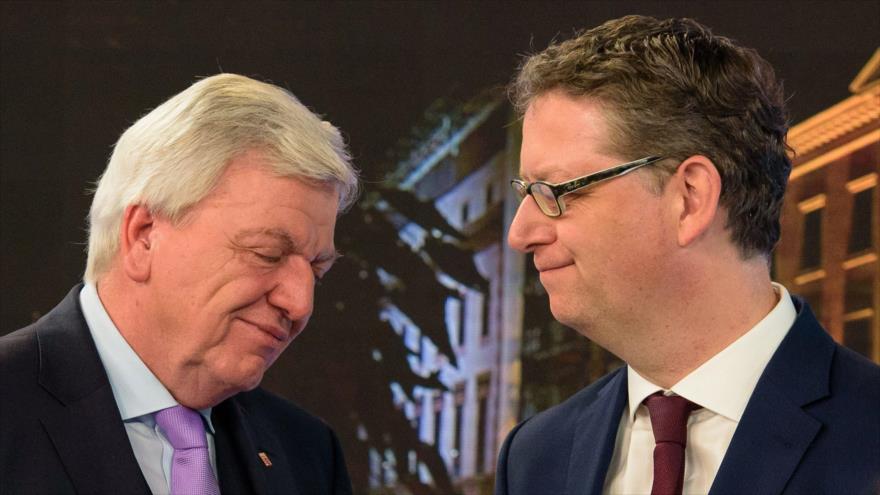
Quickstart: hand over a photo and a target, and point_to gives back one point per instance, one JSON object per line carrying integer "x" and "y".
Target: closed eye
{"x": 269, "y": 258}
{"x": 322, "y": 264}
{"x": 321, "y": 269}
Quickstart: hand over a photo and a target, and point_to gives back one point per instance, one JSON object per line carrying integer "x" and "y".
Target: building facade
{"x": 829, "y": 248}
{"x": 513, "y": 358}
{"x": 461, "y": 167}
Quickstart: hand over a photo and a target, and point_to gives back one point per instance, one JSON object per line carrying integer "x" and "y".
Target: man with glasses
{"x": 653, "y": 167}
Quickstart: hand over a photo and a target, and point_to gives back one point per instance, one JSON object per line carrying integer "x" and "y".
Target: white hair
{"x": 173, "y": 157}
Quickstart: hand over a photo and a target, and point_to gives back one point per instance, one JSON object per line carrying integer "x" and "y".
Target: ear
{"x": 135, "y": 244}
{"x": 699, "y": 187}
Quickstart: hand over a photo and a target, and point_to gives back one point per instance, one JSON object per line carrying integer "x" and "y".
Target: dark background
{"x": 74, "y": 75}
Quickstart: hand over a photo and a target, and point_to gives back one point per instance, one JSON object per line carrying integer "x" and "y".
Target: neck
{"x": 701, "y": 318}
{"x": 131, "y": 314}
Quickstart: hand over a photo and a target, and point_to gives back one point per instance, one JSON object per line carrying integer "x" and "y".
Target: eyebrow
{"x": 544, "y": 171}
{"x": 280, "y": 235}
{"x": 543, "y": 177}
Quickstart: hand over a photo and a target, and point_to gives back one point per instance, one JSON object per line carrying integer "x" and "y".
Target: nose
{"x": 293, "y": 292}
{"x": 530, "y": 228}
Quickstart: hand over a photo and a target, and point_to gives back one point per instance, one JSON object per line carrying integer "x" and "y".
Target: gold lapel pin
{"x": 265, "y": 458}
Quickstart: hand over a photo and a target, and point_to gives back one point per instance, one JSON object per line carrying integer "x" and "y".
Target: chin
{"x": 572, "y": 316}
{"x": 252, "y": 384}
{"x": 242, "y": 379}
{"x": 561, "y": 310}
{"x": 251, "y": 380}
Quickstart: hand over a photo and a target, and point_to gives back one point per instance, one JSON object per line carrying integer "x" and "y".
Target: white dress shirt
{"x": 139, "y": 394}
{"x": 722, "y": 386}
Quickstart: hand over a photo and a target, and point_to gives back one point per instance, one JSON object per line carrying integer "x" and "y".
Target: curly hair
{"x": 672, "y": 88}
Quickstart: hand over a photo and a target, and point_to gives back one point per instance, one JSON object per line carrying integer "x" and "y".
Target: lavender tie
{"x": 191, "y": 472}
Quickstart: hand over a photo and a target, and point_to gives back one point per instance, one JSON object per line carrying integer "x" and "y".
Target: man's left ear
{"x": 699, "y": 189}
{"x": 136, "y": 243}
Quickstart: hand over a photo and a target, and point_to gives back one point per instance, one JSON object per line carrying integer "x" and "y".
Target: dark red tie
{"x": 669, "y": 416}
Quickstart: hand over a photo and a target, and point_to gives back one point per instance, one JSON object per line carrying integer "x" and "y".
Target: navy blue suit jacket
{"x": 812, "y": 425}
{"x": 61, "y": 432}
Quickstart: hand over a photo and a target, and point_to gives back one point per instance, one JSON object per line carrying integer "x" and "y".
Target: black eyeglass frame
{"x": 559, "y": 190}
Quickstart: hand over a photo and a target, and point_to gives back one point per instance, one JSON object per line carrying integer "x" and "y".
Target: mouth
{"x": 548, "y": 267}
{"x": 273, "y": 331}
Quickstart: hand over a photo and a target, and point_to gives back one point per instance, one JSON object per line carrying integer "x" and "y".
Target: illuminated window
{"x": 482, "y": 420}
{"x": 462, "y": 320}
{"x": 438, "y": 418}
{"x": 858, "y": 317}
{"x": 811, "y": 241}
{"x": 459, "y": 428}
{"x": 487, "y": 316}
{"x": 861, "y": 235}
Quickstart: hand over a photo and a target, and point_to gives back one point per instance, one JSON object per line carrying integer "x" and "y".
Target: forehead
{"x": 250, "y": 198}
{"x": 563, "y": 137}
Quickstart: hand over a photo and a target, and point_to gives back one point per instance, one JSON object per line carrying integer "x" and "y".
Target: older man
{"x": 653, "y": 169}
{"x": 208, "y": 230}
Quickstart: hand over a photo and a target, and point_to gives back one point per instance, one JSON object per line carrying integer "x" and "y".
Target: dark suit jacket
{"x": 61, "y": 432}
{"x": 812, "y": 425}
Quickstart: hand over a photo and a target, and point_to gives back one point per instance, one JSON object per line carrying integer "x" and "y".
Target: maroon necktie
{"x": 669, "y": 416}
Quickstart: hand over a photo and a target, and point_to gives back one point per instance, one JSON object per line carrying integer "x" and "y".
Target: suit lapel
{"x": 775, "y": 431}
{"x": 85, "y": 426}
{"x": 240, "y": 465}
{"x": 595, "y": 434}
{"x": 94, "y": 447}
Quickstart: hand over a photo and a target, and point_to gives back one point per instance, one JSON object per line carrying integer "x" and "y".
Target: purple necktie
{"x": 669, "y": 416}
{"x": 191, "y": 472}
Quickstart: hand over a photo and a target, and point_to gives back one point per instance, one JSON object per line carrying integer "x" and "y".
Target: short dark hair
{"x": 672, "y": 88}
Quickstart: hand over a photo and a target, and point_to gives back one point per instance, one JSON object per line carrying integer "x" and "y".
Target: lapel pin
{"x": 265, "y": 458}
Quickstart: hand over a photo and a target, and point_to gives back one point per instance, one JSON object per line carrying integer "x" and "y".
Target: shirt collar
{"x": 724, "y": 383}
{"x": 135, "y": 388}
{"x": 638, "y": 389}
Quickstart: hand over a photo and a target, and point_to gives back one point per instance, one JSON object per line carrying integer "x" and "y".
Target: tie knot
{"x": 669, "y": 415}
{"x": 182, "y": 427}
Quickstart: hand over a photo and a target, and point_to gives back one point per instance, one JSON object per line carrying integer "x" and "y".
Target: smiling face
{"x": 232, "y": 284}
{"x": 602, "y": 261}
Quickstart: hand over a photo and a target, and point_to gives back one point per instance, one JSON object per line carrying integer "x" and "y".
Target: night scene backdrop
{"x": 421, "y": 353}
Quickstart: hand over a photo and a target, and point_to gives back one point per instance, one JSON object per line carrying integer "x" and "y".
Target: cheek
{"x": 225, "y": 297}
{"x": 184, "y": 274}
{"x": 616, "y": 246}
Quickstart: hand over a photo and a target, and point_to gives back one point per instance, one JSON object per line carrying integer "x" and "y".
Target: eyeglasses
{"x": 547, "y": 195}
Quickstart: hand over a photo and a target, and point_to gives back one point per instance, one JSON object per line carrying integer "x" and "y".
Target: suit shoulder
{"x": 856, "y": 366}
{"x": 535, "y": 456}
{"x": 557, "y": 423}
{"x": 564, "y": 411}
{"x": 279, "y": 413}
{"x": 19, "y": 352}
{"x": 16, "y": 338}
{"x": 856, "y": 377}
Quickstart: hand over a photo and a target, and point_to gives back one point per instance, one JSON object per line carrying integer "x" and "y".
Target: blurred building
{"x": 829, "y": 247}
{"x": 459, "y": 163}
{"x": 462, "y": 162}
